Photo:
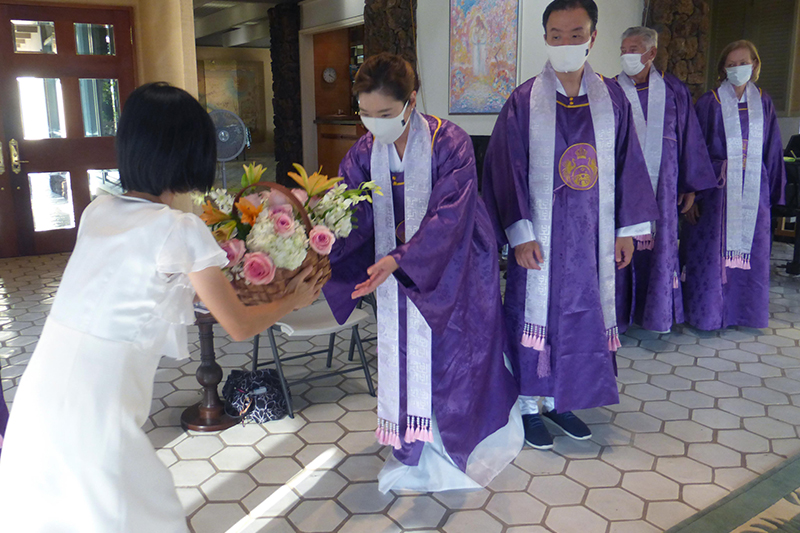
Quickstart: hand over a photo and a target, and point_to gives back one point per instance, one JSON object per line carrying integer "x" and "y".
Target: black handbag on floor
{"x": 254, "y": 396}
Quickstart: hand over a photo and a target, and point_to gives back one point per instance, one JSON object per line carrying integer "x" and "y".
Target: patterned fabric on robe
{"x": 646, "y": 290}
{"x": 583, "y": 373}
{"x": 450, "y": 270}
{"x": 715, "y": 296}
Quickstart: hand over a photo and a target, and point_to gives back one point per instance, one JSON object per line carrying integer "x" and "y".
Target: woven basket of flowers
{"x": 271, "y": 233}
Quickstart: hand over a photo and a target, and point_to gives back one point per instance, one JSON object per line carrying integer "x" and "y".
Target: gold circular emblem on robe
{"x": 578, "y": 167}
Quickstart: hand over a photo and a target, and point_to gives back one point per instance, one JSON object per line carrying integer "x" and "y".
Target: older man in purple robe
{"x": 649, "y": 291}
{"x": 566, "y": 184}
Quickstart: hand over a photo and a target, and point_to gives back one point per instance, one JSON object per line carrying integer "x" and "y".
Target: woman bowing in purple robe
{"x": 446, "y": 401}
{"x": 726, "y": 245}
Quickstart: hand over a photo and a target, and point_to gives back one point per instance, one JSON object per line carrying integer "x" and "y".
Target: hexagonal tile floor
{"x": 700, "y": 415}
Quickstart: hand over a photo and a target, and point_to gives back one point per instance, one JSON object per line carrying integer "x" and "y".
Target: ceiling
{"x": 231, "y": 23}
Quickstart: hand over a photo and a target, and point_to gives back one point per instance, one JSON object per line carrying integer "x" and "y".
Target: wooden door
{"x": 64, "y": 75}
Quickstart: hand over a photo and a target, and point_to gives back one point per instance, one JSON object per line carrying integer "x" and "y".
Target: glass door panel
{"x": 51, "y": 201}
{"x": 42, "y": 108}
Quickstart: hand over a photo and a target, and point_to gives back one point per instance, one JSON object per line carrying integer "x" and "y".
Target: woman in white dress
{"x": 75, "y": 458}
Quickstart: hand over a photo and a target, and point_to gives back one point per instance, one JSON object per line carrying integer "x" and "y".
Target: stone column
{"x": 390, "y": 26}
{"x": 284, "y": 25}
{"x": 683, "y": 39}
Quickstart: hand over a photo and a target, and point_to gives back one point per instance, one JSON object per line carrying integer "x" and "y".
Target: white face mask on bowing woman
{"x": 379, "y": 114}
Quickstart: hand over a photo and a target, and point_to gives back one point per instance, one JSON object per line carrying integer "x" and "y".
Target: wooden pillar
{"x": 284, "y": 25}
{"x": 390, "y": 26}
{"x": 683, "y": 39}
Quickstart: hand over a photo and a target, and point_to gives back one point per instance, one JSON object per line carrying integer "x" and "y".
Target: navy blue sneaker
{"x": 569, "y": 424}
{"x": 536, "y": 434}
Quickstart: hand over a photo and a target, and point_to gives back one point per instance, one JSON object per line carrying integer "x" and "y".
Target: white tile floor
{"x": 700, "y": 414}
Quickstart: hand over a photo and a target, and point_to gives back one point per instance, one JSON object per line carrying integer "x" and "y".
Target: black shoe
{"x": 536, "y": 434}
{"x": 570, "y": 424}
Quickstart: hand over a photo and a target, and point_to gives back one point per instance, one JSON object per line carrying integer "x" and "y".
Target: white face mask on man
{"x": 387, "y": 130}
{"x": 740, "y": 75}
{"x": 569, "y": 57}
{"x": 632, "y": 63}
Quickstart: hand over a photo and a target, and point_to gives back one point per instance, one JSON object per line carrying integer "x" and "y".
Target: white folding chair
{"x": 316, "y": 319}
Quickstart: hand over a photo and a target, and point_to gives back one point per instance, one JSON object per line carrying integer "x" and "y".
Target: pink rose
{"x": 321, "y": 240}
{"x": 277, "y": 198}
{"x": 281, "y": 209}
{"x": 235, "y": 249}
{"x": 284, "y": 224}
{"x": 301, "y": 195}
{"x": 258, "y": 268}
{"x": 254, "y": 199}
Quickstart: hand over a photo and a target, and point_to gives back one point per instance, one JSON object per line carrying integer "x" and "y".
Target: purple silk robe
{"x": 646, "y": 291}
{"x": 450, "y": 270}
{"x": 582, "y": 374}
{"x": 715, "y": 296}
{"x": 3, "y": 418}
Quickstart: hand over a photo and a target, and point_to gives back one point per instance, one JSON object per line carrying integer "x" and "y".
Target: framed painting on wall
{"x": 483, "y": 54}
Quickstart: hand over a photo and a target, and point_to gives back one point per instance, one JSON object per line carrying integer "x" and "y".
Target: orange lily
{"x": 211, "y": 215}
{"x": 249, "y": 211}
{"x": 315, "y": 184}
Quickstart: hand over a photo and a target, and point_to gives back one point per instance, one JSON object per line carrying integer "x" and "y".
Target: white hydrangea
{"x": 334, "y": 212}
{"x": 286, "y": 252}
{"x": 223, "y": 200}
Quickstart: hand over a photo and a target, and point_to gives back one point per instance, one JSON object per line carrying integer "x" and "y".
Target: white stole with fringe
{"x": 650, "y": 133}
{"x": 417, "y": 192}
{"x": 541, "y": 160}
{"x": 743, "y": 188}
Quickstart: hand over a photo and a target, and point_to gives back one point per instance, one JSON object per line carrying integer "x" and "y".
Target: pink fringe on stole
{"x": 737, "y": 260}
{"x": 418, "y": 430}
{"x": 613, "y": 339}
{"x": 683, "y": 275}
{"x": 675, "y": 283}
{"x": 388, "y": 434}
{"x": 645, "y": 242}
{"x": 534, "y": 336}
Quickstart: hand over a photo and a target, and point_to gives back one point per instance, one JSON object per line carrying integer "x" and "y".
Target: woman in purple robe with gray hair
{"x": 446, "y": 401}
{"x": 726, "y": 245}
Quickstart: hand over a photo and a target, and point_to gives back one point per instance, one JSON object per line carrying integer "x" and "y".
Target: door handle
{"x": 16, "y": 162}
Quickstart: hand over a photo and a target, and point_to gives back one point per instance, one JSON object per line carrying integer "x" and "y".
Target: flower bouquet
{"x": 271, "y": 235}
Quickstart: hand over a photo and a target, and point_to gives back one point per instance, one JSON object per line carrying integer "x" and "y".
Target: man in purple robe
{"x": 721, "y": 289}
{"x": 567, "y": 362}
{"x": 447, "y": 268}
{"x": 649, "y": 291}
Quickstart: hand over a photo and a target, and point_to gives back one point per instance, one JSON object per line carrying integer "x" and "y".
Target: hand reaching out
{"x": 378, "y": 273}
{"x": 529, "y": 255}
{"x": 623, "y": 252}
{"x": 687, "y": 199}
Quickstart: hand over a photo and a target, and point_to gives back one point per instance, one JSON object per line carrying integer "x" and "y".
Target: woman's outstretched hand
{"x": 378, "y": 273}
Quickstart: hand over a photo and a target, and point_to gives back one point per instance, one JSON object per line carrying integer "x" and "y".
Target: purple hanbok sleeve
{"x": 352, "y": 256}
{"x": 505, "y": 167}
{"x": 635, "y": 200}
{"x": 773, "y": 153}
{"x": 710, "y": 119}
{"x": 433, "y": 263}
{"x": 695, "y": 172}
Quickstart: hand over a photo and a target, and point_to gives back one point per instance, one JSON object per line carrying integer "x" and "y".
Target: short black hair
{"x": 564, "y": 5}
{"x": 165, "y": 142}
{"x": 387, "y": 73}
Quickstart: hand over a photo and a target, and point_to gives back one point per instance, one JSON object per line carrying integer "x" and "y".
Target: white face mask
{"x": 740, "y": 75}
{"x": 568, "y": 58}
{"x": 386, "y": 130}
{"x": 632, "y": 63}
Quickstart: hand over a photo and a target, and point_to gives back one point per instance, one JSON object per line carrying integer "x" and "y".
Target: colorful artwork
{"x": 236, "y": 86}
{"x": 483, "y": 54}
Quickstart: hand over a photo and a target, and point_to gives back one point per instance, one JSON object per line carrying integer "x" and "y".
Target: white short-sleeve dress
{"x": 75, "y": 458}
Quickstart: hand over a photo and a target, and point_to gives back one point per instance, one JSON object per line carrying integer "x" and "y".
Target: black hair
{"x": 165, "y": 142}
{"x": 387, "y": 73}
{"x": 564, "y": 5}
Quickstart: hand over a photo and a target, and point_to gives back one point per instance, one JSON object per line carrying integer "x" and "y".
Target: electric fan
{"x": 231, "y": 138}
